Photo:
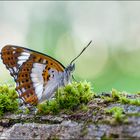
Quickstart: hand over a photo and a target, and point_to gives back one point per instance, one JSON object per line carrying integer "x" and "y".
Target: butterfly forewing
{"x": 30, "y": 70}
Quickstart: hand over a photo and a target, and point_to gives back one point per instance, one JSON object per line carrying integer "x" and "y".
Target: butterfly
{"x": 37, "y": 75}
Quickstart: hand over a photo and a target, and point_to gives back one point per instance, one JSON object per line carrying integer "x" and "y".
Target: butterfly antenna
{"x": 81, "y": 52}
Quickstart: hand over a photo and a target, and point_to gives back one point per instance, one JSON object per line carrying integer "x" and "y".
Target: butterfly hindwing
{"x": 24, "y": 84}
{"x": 31, "y": 70}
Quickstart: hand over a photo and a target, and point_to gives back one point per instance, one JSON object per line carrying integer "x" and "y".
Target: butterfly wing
{"x": 30, "y": 70}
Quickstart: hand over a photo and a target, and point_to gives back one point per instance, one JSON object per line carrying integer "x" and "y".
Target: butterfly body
{"x": 37, "y": 75}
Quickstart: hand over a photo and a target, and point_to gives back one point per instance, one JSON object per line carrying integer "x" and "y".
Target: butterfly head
{"x": 68, "y": 73}
{"x": 70, "y": 68}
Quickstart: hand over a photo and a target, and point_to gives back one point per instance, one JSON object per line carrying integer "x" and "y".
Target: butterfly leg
{"x": 74, "y": 78}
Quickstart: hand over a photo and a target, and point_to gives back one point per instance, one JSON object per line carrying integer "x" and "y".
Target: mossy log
{"x": 104, "y": 116}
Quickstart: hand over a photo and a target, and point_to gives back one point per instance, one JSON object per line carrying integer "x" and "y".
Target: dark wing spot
{"x": 40, "y": 60}
{"x": 34, "y": 57}
{"x": 48, "y": 77}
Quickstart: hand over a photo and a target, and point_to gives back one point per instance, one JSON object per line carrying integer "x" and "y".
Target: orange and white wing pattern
{"x": 31, "y": 70}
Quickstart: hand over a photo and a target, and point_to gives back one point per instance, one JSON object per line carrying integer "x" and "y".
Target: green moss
{"x": 27, "y": 111}
{"x": 122, "y": 98}
{"x": 8, "y": 99}
{"x": 117, "y": 113}
{"x": 49, "y": 107}
{"x": 125, "y": 100}
{"x": 94, "y": 113}
{"x": 134, "y": 114}
{"x": 104, "y": 137}
{"x": 84, "y": 107}
{"x": 68, "y": 98}
{"x": 115, "y": 94}
{"x": 135, "y": 102}
{"x": 108, "y": 99}
{"x": 19, "y": 111}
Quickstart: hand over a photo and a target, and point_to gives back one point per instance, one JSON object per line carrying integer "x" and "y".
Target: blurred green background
{"x": 62, "y": 29}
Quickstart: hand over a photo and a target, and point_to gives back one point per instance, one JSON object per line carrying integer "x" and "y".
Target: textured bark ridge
{"x": 104, "y": 117}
